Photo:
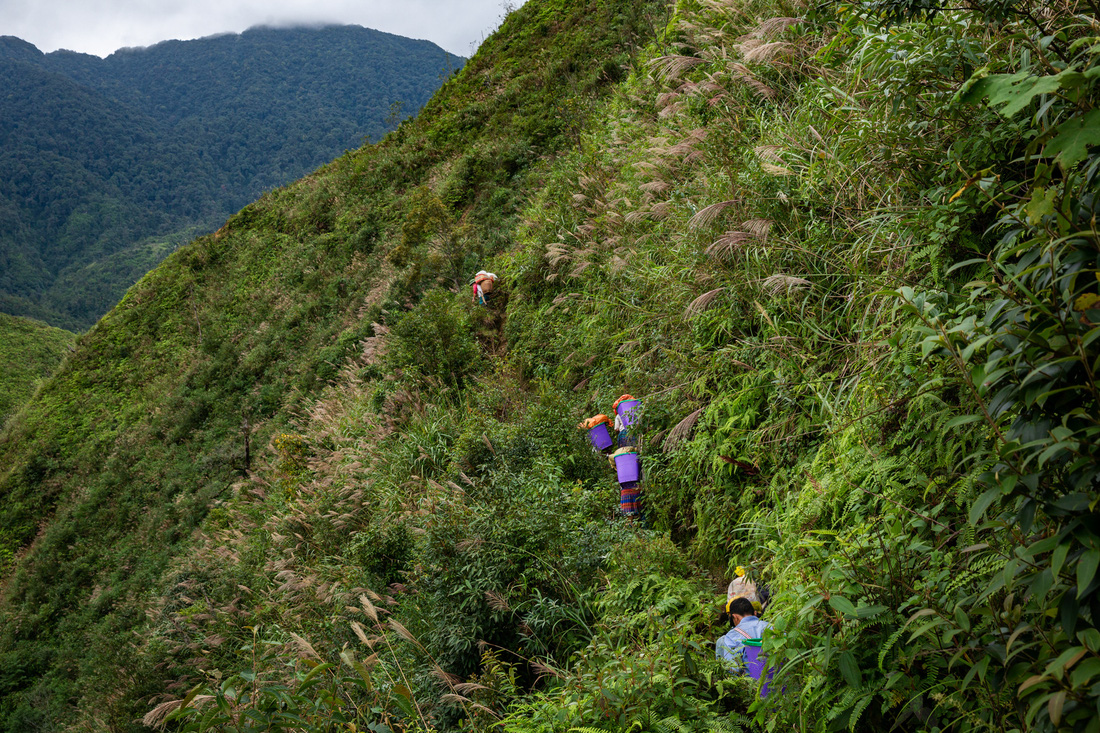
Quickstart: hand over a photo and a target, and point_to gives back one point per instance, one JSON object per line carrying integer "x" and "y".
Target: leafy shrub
{"x": 434, "y": 342}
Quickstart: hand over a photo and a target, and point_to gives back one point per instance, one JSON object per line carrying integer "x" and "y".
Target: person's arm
{"x": 729, "y": 648}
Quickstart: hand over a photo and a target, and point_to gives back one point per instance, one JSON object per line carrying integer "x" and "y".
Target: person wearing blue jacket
{"x": 731, "y": 647}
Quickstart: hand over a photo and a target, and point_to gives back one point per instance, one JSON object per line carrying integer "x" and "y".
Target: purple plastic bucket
{"x": 755, "y": 667}
{"x": 627, "y": 467}
{"x": 626, "y": 411}
{"x": 600, "y": 436}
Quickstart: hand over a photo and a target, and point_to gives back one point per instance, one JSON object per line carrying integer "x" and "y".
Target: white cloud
{"x": 101, "y": 27}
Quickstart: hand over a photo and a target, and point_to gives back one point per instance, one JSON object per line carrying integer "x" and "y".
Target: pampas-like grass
{"x": 448, "y": 680}
{"x": 544, "y": 669}
{"x": 729, "y": 243}
{"x": 657, "y": 186}
{"x": 766, "y": 53}
{"x": 497, "y": 601}
{"x": 452, "y": 697}
{"x": 769, "y": 153}
{"x": 776, "y": 170}
{"x": 369, "y": 608}
{"x": 670, "y": 68}
{"x": 758, "y": 227}
{"x": 156, "y": 717}
{"x": 779, "y": 283}
{"x": 305, "y": 649}
{"x": 705, "y": 217}
{"x": 742, "y": 73}
{"x": 661, "y": 210}
{"x": 403, "y": 632}
{"x": 682, "y": 429}
{"x": 704, "y": 301}
{"x": 772, "y": 26}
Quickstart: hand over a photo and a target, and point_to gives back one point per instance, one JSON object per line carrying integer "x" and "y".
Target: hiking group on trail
{"x": 624, "y": 458}
{"x": 739, "y": 648}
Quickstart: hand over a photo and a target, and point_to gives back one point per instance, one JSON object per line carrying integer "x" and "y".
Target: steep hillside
{"x": 155, "y": 417}
{"x": 846, "y": 257}
{"x": 30, "y": 351}
{"x": 108, "y": 164}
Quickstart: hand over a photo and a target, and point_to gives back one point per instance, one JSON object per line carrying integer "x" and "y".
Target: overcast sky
{"x": 101, "y": 27}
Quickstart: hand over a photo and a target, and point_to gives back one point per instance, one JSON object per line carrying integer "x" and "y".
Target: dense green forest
{"x": 846, "y": 256}
{"x": 107, "y": 165}
{"x": 30, "y": 352}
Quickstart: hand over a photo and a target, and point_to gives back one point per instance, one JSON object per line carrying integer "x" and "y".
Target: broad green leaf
{"x": 869, "y": 611}
{"x": 919, "y": 614}
{"x": 961, "y": 420}
{"x": 961, "y": 618}
{"x": 1040, "y": 205}
{"x": 982, "y": 504}
{"x": 1069, "y": 146}
{"x": 1011, "y": 92}
{"x": 1058, "y": 558}
{"x": 842, "y": 604}
{"x": 1085, "y": 672}
{"x": 1090, "y": 638}
{"x": 1015, "y": 635}
{"x": 1064, "y": 661}
{"x": 1031, "y": 682}
{"x": 1086, "y": 569}
{"x": 849, "y": 669}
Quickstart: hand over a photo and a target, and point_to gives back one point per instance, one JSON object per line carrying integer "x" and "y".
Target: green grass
{"x": 30, "y": 352}
{"x": 749, "y": 221}
{"x": 140, "y": 436}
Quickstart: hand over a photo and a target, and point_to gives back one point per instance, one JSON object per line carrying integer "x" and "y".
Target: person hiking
{"x": 742, "y": 586}
{"x": 730, "y": 648}
{"x": 483, "y": 285}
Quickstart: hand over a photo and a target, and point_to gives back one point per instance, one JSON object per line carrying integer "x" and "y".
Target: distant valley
{"x": 108, "y": 165}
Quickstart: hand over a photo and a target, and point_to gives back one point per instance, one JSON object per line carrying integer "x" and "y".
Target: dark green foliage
{"x": 435, "y": 342}
{"x": 110, "y": 164}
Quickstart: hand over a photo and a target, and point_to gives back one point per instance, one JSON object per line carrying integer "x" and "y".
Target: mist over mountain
{"x": 106, "y": 165}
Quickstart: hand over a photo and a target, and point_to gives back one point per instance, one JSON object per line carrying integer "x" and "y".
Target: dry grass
{"x": 157, "y": 717}
{"x": 704, "y": 301}
{"x": 682, "y": 429}
{"x": 706, "y": 217}
{"x": 778, "y": 284}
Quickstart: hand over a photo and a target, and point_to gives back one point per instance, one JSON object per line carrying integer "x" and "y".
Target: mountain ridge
{"x": 196, "y": 120}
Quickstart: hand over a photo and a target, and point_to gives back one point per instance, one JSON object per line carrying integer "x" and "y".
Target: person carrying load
{"x": 629, "y": 473}
{"x": 598, "y": 431}
{"x": 742, "y": 587}
{"x": 483, "y": 285}
{"x": 625, "y": 417}
{"x": 739, "y": 648}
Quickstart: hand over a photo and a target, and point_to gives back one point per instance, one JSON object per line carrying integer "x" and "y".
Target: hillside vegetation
{"x": 846, "y": 255}
{"x": 30, "y": 352}
{"x": 107, "y": 165}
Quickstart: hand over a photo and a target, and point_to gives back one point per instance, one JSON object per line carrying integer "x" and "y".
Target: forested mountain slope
{"x": 109, "y": 164}
{"x": 847, "y": 258}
